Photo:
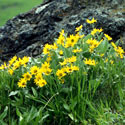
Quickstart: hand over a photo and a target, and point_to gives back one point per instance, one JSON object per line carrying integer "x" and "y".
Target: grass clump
{"x": 77, "y": 80}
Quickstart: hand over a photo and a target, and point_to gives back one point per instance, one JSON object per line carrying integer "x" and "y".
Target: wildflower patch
{"x": 77, "y": 78}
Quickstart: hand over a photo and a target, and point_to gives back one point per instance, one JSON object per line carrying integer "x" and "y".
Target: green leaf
{"x": 34, "y": 92}
{"x": 85, "y": 48}
{"x": 66, "y": 107}
{"x": 44, "y": 117}
{"x": 72, "y": 117}
{"x": 73, "y": 104}
{"x": 89, "y": 36}
{"x": 13, "y": 93}
{"x": 31, "y": 114}
{"x": 18, "y": 112}
{"x": 4, "y": 114}
{"x": 103, "y": 47}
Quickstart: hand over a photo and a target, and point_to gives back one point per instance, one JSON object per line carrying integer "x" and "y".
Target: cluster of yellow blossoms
{"x": 94, "y": 31}
{"x": 3, "y": 66}
{"x": 68, "y": 60}
{"x": 38, "y": 74}
{"x": 93, "y": 44}
{"x": 89, "y": 62}
{"x": 47, "y": 48}
{"x": 45, "y": 68}
{"x": 15, "y": 63}
{"x": 118, "y": 50}
{"x": 76, "y": 50}
{"x": 66, "y": 70}
{"x": 71, "y": 40}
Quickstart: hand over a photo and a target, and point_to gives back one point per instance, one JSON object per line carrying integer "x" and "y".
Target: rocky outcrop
{"x": 26, "y": 33}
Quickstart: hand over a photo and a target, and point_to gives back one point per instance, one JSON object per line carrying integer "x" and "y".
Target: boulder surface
{"x": 26, "y": 33}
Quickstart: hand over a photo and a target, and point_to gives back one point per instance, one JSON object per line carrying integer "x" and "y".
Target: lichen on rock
{"x": 26, "y": 33}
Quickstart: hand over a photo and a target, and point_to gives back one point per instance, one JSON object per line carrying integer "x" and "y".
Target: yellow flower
{"x": 47, "y": 71}
{"x": 48, "y": 59}
{"x": 92, "y": 41}
{"x": 61, "y": 52}
{"x": 75, "y": 68}
{"x": 64, "y": 69}
{"x": 89, "y": 62}
{"x": 69, "y": 69}
{"x": 76, "y": 50}
{"x": 106, "y": 60}
{"x": 113, "y": 44}
{"x": 91, "y": 48}
{"x": 38, "y": 77}
{"x": 68, "y": 60}
{"x": 27, "y": 76}
{"x": 94, "y": 31}
{"x": 22, "y": 83}
{"x": 102, "y": 54}
{"x": 62, "y": 32}
{"x": 91, "y": 21}
{"x": 119, "y": 50}
{"x": 93, "y": 44}
{"x": 41, "y": 70}
{"x": 10, "y": 71}
{"x": 54, "y": 46}
{"x": 46, "y": 49}
{"x": 25, "y": 60}
{"x": 72, "y": 59}
{"x": 12, "y": 60}
{"x": 71, "y": 41}
{"x": 79, "y": 36}
{"x": 111, "y": 61}
{"x": 60, "y": 73}
{"x": 79, "y": 28}
{"x": 20, "y": 61}
{"x": 64, "y": 62}
{"x": 68, "y": 44}
{"x": 121, "y": 56}
{"x": 108, "y": 37}
{"x": 41, "y": 82}
{"x": 45, "y": 65}
{"x": 34, "y": 70}
{"x": 17, "y": 64}
{"x": 3, "y": 66}
{"x": 61, "y": 40}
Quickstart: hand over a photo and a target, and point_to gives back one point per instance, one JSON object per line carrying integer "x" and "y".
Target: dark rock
{"x": 26, "y": 33}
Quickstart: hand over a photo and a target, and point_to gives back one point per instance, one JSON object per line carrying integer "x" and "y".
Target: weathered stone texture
{"x": 26, "y": 33}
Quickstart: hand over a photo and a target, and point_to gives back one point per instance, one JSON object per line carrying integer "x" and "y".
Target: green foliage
{"x": 91, "y": 92}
